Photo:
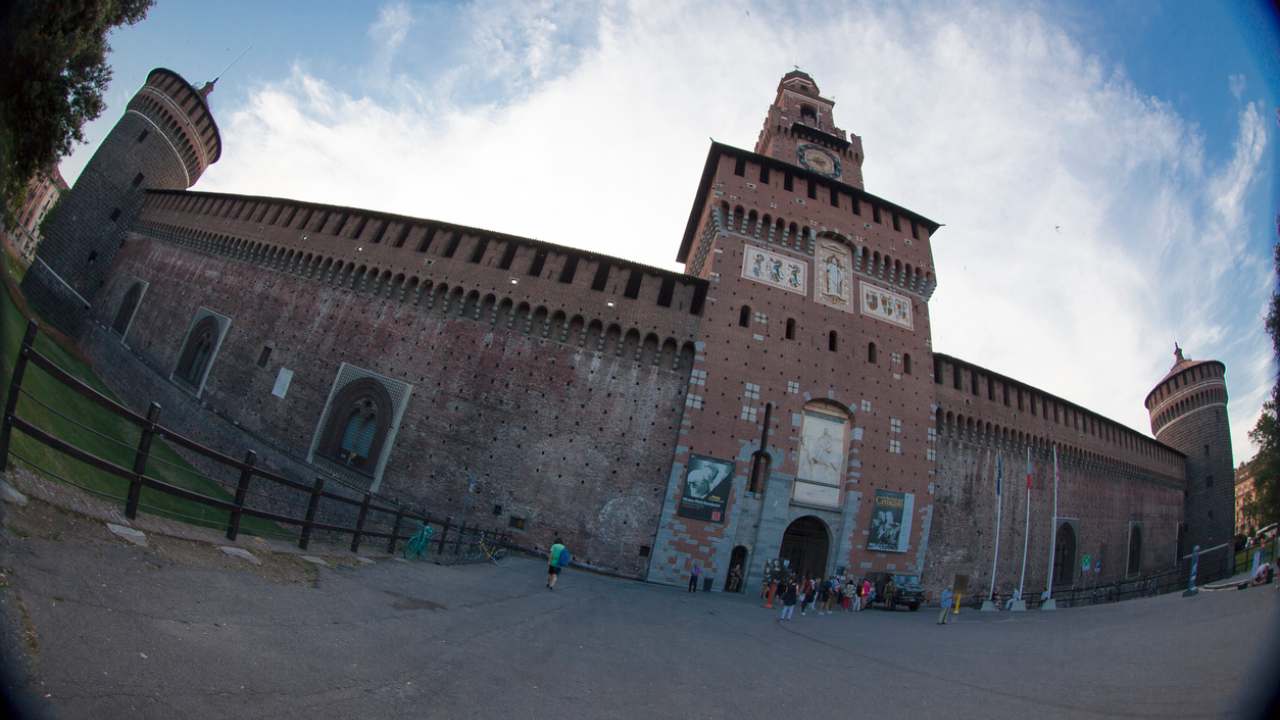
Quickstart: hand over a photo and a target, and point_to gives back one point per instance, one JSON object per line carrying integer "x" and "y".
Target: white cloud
{"x": 387, "y": 34}
{"x": 1236, "y": 83}
{"x": 989, "y": 120}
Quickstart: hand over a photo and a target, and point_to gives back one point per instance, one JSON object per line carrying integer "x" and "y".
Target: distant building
{"x": 43, "y": 191}
{"x": 1245, "y": 489}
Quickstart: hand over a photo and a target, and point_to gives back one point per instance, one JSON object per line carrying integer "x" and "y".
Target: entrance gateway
{"x": 805, "y": 545}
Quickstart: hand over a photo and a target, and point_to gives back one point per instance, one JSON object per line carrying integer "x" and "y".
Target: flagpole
{"x": 1049, "y": 603}
{"x": 1026, "y": 536}
{"x": 989, "y": 604}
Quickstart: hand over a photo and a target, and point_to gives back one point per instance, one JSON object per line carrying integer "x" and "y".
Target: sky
{"x": 1105, "y": 172}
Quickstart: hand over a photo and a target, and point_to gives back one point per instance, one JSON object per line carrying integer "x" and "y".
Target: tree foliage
{"x": 55, "y": 71}
{"x": 1264, "y": 508}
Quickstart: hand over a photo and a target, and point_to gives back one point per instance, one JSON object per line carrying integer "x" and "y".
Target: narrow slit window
{"x": 264, "y": 356}
{"x": 508, "y": 256}
{"x": 633, "y": 284}
{"x": 601, "y": 279}
{"x": 666, "y": 291}
{"x": 569, "y": 270}
{"x": 744, "y": 316}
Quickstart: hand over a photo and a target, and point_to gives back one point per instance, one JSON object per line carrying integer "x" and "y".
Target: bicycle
{"x": 417, "y": 545}
{"x": 491, "y": 550}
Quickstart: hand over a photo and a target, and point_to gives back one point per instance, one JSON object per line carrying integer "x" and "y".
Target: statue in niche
{"x": 820, "y": 457}
{"x": 834, "y": 276}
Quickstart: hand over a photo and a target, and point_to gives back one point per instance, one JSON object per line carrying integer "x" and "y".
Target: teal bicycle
{"x": 417, "y": 545}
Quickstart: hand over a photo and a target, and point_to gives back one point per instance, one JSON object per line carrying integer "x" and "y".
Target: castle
{"x": 778, "y": 400}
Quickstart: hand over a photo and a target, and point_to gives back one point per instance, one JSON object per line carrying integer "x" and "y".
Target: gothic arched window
{"x": 359, "y": 418}
{"x": 127, "y": 306}
{"x": 193, "y": 362}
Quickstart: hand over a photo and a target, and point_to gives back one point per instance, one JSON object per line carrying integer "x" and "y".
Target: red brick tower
{"x": 808, "y": 432}
{"x": 165, "y": 140}
{"x": 1188, "y": 409}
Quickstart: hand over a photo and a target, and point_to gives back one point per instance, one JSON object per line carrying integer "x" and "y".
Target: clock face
{"x": 819, "y": 160}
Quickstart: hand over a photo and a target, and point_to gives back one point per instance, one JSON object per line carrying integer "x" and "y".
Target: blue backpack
{"x": 563, "y": 560}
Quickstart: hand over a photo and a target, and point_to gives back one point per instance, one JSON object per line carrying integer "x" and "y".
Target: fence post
{"x": 395, "y": 530}
{"x": 140, "y": 461}
{"x": 457, "y": 545}
{"x": 364, "y": 512}
{"x": 443, "y": 532}
{"x": 312, "y": 506}
{"x": 242, "y": 489}
{"x": 11, "y": 403}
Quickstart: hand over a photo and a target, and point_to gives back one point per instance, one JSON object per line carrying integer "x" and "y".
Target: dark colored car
{"x": 907, "y": 590}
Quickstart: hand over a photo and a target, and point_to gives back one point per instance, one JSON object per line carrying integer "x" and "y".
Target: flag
{"x": 1028, "y": 468}
{"x": 999, "y": 473}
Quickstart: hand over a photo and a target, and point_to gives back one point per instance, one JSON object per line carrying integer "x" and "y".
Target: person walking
{"x": 694, "y": 577}
{"x": 824, "y": 597}
{"x": 789, "y": 595}
{"x": 850, "y": 595}
{"x": 948, "y": 598}
{"x": 810, "y": 596}
{"x": 557, "y": 558}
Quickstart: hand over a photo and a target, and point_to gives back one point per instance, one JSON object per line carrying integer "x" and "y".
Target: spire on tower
{"x": 207, "y": 88}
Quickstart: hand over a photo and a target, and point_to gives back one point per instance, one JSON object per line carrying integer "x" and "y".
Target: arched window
{"x": 871, "y": 353}
{"x": 791, "y": 329}
{"x": 744, "y": 316}
{"x": 906, "y": 363}
{"x": 124, "y": 315}
{"x": 808, "y": 114}
{"x": 193, "y": 362}
{"x": 359, "y": 418}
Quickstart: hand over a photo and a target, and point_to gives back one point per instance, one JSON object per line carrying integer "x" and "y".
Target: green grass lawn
{"x": 96, "y": 430}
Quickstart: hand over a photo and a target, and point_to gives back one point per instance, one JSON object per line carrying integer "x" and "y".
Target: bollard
{"x": 242, "y": 489}
{"x": 312, "y": 506}
{"x": 395, "y": 530}
{"x": 140, "y": 462}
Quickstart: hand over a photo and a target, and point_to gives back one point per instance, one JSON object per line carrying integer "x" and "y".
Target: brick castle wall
{"x": 563, "y": 422}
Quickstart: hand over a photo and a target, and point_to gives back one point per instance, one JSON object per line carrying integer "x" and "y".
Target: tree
{"x": 1264, "y": 508}
{"x": 55, "y": 71}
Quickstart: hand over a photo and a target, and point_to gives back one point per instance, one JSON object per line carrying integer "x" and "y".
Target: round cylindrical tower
{"x": 1188, "y": 410}
{"x": 165, "y": 140}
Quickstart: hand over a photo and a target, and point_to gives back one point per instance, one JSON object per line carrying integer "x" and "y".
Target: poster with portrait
{"x": 885, "y": 305}
{"x": 774, "y": 269}
{"x": 833, "y": 281}
{"x": 707, "y": 482}
{"x": 891, "y": 521}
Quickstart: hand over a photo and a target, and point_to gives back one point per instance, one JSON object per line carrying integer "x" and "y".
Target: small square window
{"x": 644, "y": 551}
{"x": 895, "y": 447}
{"x": 748, "y": 413}
{"x": 793, "y": 387}
{"x": 515, "y": 522}
{"x": 752, "y": 392}
{"x": 866, "y": 406}
{"x": 693, "y": 401}
{"x": 931, "y": 454}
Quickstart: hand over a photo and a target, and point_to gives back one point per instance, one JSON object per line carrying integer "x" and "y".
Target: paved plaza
{"x": 177, "y": 629}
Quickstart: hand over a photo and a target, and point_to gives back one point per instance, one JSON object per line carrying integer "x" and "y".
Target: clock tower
{"x": 807, "y": 440}
{"x": 800, "y": 129}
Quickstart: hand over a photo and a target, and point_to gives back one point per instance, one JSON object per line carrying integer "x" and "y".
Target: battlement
{"x": 977, "y": 403}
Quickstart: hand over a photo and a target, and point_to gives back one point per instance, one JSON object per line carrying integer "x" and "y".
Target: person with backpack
{"x": 556, "y": 559}
{"x": 789, "y": 597}
{"x": 948, "y": 599}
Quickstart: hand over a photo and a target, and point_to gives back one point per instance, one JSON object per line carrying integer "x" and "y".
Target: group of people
{"x": 821, "y": 595}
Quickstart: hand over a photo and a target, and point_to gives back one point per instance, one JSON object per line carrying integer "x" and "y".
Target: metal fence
{"x": 375, "y": 517}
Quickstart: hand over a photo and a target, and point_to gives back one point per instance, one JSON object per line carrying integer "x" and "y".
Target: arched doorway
{"x": 734, "y": 582}
{"x": 1064, "y": 556}
{"x": 805, "y": 545}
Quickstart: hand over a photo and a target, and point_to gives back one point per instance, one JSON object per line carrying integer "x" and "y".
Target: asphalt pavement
{"x": 178, "y": 630}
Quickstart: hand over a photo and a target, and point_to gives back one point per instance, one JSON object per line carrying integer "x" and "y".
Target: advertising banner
{"x": 706, "y": 489}
{"x": 891, "y": 521}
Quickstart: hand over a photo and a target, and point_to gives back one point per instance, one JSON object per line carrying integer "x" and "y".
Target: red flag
{"x": 1028, "y": 469}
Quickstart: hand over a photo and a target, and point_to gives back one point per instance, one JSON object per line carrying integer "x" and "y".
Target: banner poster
{"x": 773, "y": 269}
{"x": 891, "y": 521}
{"x": 706, "y": 489}
{"x": 886, "y": 305}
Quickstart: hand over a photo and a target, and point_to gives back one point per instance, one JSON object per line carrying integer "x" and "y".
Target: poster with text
{"x": 706, "y": 489}
{"x": 891, "y": 521}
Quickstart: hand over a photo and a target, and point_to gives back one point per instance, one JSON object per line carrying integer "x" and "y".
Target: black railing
{"x": 376, "y": 517}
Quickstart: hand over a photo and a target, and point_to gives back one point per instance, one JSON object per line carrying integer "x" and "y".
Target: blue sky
{"x": 1106, "y": 171}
